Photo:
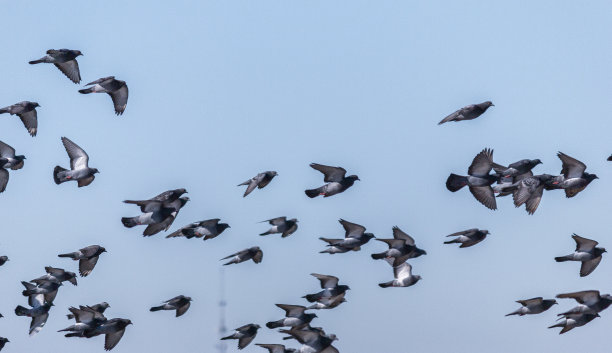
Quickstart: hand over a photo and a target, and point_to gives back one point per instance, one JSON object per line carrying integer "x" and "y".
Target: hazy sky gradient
{"x": 222, "y": 90}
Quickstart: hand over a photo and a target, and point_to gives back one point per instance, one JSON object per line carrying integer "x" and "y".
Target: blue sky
{"x": 220, "y": 91}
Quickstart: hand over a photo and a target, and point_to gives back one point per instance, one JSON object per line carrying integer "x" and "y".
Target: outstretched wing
{"x": 331, "y": 173}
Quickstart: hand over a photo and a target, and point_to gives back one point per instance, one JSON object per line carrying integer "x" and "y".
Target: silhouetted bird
{"x": 469, "y": 112}
{"x": 179, "y": 303}
{"x": 336, "y": 180}
{"x": 478, "y": 180}
{"x": 533, "y": 306}
{"x": 244, "y": 334}
{"x": 573, "y": 321}
{"x": 282, "y": 225}
{"x": 87, "y": 257}
{"x": 26, "y": 111}
{"x": 64, "y": 60}
{"x": 208, "y": 229}
{"x": 79, "y": 168}
{"x": 8, "y": 160}
{"x": 586, "y": 252}
{"x": 354, "y": 237}
{"x": 294, "y": 317}
{"x": 116, "y": 89}
{"x": 253, "y": 253}
{"x": 260, "y": 181}
{"x": 468, "y": 237}
{"x": 575, "y": 179}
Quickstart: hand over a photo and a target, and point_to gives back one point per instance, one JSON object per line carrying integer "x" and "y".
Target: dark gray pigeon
{"x": 260, "y": 181}
{"x": 354, "y": 237}
{"x": 3, "y": 259}
{"x": 328, "y": 302}
{"x": 521, "y": 167}
{"x": 336, "y": 180}
{"x": 158, "y": 201}
{"x": 87, "y": 257}
{"x": 116, "y": 89}
{"x": 276, "y": 348}
{"x": 253, "y": 253}
{"x": 586, "y": 252}
{"x": 282, "y": 225}
{"x": 575, "y": 179}
{"x": 8, "y": 160}
{"x": 64, "y": 60}
{"x": 403, "y": 275}
{"x": 574, "y": 320}
{"x": 4, "y": 341}
{"x": 244, "y": 334}
{"x": 330, "y": 287}
{"x": 314, "y": 340}
{"x": 529, "y": 190}
{"x": 99, "y": 308}
{"x": 56, "y": 275}
{"x": 208, "y": 229}
{"x": 591, "y": 301}
{"x": 26, "y": 111}
{"x": 478, "y": 180}
{"x": 179, "y": 303}
{"x": 533, "y": 306}
{"x": 39, "y": 313}
{"x": 401, "y": 248}
{"x": 112, "y": 330}
{"x": 469, "y": 112}
{"x": 295, "y": 316}
{"x": 47, "y": 290}
{"x": 468, "y": 237}
{"x": 609, "y": 159}
{"x": 79, "y": 168}
{"x": 86, "y": 318}
{"x": 159, "y": 212}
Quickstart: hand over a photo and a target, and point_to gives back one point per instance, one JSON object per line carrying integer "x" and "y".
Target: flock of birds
{"x": 485, "y": 179}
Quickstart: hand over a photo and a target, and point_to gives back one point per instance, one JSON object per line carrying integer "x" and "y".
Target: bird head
{"x": 417, "y": 277}
{"x": 35, "y": 104}
{"x": 257, "y": 326}
{"x": 105, "y": 305}
{"x": 536, "y": 162}
{"x": 353, "y": 177}
{"x": 485, "y": 231}
{"x": 78, "y": 53}
{"x": 189, "y": 298}
{"x": 94, "y": 171}
{"x": 102, "y": 249}
{"x": 20, "y": 157}
{"x": 224, "y": 225}
{"x": 489, "y": 104}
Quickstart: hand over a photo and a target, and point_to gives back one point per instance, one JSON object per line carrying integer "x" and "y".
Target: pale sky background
{"x": 222, "y": 90}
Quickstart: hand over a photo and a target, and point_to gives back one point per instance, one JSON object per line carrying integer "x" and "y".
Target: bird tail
{"x": 455, "y": 182}
{"x": 41, "y": 60}
{"x": 21, "y": 311}
{"x": 74, "y": 334}
{"x": 266, "y": 233}
{"x": 386, "y": 284}
{"x": 379, "y": 256}
{"x": 56, "y": 172}
{"x": 563, "y": 258}
{"x": 156, "y": 308}
{"x": 513, "y": 313}
{"x": 311, "y": 298}
{"x": 451, "y": 241}
{"x": 4, "y": 110}
{"x": 71, "y": 255}
{"x": 27, "y": 293}
{"x": 129, "y": 222}
{"x": 274, "y": 324}
{"x": 86, "y": 90}
{"x": 228, "y": 337}
{"x": 561, "y": 324}
{"x": 312, "y": 193}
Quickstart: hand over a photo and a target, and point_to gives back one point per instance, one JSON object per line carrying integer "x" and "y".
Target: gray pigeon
{"x": 3, "y": 259}
{"x": 529, "y": 191}
{"x": 469, "y": 112}
{"x": 79, "y": 168}
{"x": 313, "y": 340}
{"x": 98, "y": 308}
{"x": 478, "y": 180}
{"x": 159, "y": 212}
{"x": 276, "y": 348}
{"x": 64, "y": 60}
{"x": 328, "y": 302}
{"x": 591, "y": 301}
{"x": 244, "y": 334}
{"x": 574, "y": 320}
{"x": 4, "y": 341}
{"x": 39, "y": 313}
{"x": 158, "y": 201}
{"x": 208, "y": 229}
{"x": 336, "y": 180}
{"x": 575, "y": 179}
{"x": 330, "y": 287}
{"x": 586, "y": 252}
{"x": 26, "y": 111}
{"x": 281, "y": 225}
{"x": 46, "y": 290}
{"x": 468, "y": 237}
{"x": 56, "y": 275}
{"x": 253, "y": 253}
{"x": 8, "y": 160}
{"x": 401, "y": 248}
{"x": 517, "y": 168}
{"x": 179, "y": 303}
{"x": 87, "y": 257}
{"x": 87, "y": 319}
{"x": 533, "y": 306}
{"x": 261, "y": 180}
{"x": 403, "y": 275}
{"x": 112, "y": 330}
{"x": 295, "y": 316}
{"x": 354, "y": 237}
{"x": 116, "y": 89}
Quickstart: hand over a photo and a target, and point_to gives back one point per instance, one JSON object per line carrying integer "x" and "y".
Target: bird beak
{"x": 492, "y": 104}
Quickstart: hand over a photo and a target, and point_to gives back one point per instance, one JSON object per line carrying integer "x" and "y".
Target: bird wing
{"x": 463, "y": 232}
{"x": 532, "y": 301}
{"x": 89, "y": 251}
{"x": 572, "y": 168}
{"x": 120, "y": 98}
{"x": 292, "y": 310}
{"x": 265, "y": 180}
{"x": 100, "y": 80}
{"x": 484, "y": 195}
{"x": 399, "y": 234}
{"x": 4, "y": 178}
{"x": 182, "y": 309}
{"x": 584, "y": 244}
{"x": 258, "y": 256}
{"x": 482, "y": 163}
{"x": 239, "y": 253}
{"x": 252, "y": 185}
{"x": 86, "y": 181}
{"x": 402, "y": 271}
{"x": 244, "y": 341}
{"x": 30, "y": 121}
{"x": 586, "y": 297}
{"x": 78, "y": 156}
{"x": 209, "y": 223}
{"x": 276, "y": 221}
{"x": 450, "y": 117}
{"x": 87, "y": 265}
{"x": 272, "y": 348}
{"x": 111, "y": 339}
{"x": 352, "y": 230}
{"x": 331, "y": 173}
{"x": 38, "y": 322}
{"x": 534, "y": 201}
{"x": 393, "y": 243}
{"x": 327, "y": 281}
{"x": 146, "y": 206}
{"x": 70, "y": 69}
{"x": 55, "y": 271}
{"x": 589, "y": 266}
{"x": 329, "y": 349}
{"x": 6, "y": 151}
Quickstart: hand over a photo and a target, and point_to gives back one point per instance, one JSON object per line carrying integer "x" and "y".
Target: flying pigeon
{"x": 478, "y": 180}
{"x": 3, "y": 259}
{"x": 282, "y": 225}
{"x": 26, "y": 111}
{"x": 469, "y": 112}
{"x": 529, "y": 190}
{"x": 574, "y": 320}
{"x": 87, "y": 257}
{"x": 64, "y": 60}
{"x": 328, "y": 302}
{"x": 355, "y": 236}
{"x": 590, "y": 301}
{"x": 294, "y": 317}
{"x": 87, "y": 319}
{"x": 336, "y": 180}
{"x": 179, "y": 303}
{"x": 159, "y": 212}
{"x": 116, "y": 89}
{"x": 48, "y": 290}
{"x": 99, "y": 308}
{"x": 521, "y": 167}
{"x": 276, "y": 348}
{"x": 39, "y": 313}
{"x": 253, "y": 253}
{"x": 533, "y": 306}
{"x": 244, "y": 334}
{"x": 403, "y": 275}
{"x": 261, "y": 180}
{"x": 330, "y": 287}
{"x": 575, "y": 179}
{"x": 208, "y": 229}
{"x": 8, "y": 160}
{"x": 468, "y": 237}
{"x": 314, "y": 340}
{"x": 56, "y": 275}
{"x": 4, "y": 341}
{"x": 79, "y": 170}
{"x": 401, "y": 248}
{"x": 112, "y": 330}
{"x": 586, "y": 252}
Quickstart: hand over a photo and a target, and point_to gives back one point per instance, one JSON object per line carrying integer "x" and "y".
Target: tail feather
{"x": 386, "y": 284}
{"x": 156, "y": 308}
{"x": 563, "y": 258}
{"x": 451, "y": 241}
{"x": 274, "y": 324}
{"x": 228, "y": 337}
{"x": 129, "y": 222}
{"x": 455, "y": 182}
{"x": 379, "y": 256}
{"x": 513, "y": 313}
{"x": 86, "y": 90}
{"x": 312, "y": 193}
{"x": 66, "y": 255}
{"x": 56, "y": 172}
{"x": 21, "y": 311}
{"x": 4, "y": 110}
{"x": 311, "y": 298}
{"x": 266, "y": 233}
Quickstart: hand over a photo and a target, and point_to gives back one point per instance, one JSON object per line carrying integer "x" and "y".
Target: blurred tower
{"x": 222, "y": 346}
